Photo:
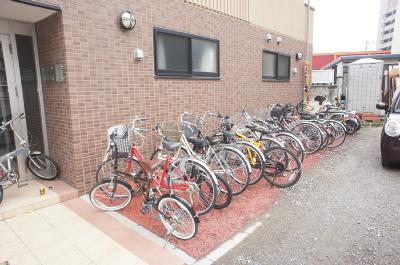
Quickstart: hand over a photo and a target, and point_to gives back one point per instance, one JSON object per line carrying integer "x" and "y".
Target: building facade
{"x": 70, "y": 66}
{"x": 387, "y": 27}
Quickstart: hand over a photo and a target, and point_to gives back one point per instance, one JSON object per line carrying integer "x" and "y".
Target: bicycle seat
{"x": 150, "y": 165}
{"x": 256, "y": 129}
{"x": 171, "y": 146}
{"x": 321, "y": 115}
{"x": 120, "y": 155}
{"x": 213, "y": 140}
{"x": 229, "y": 134}
{"x": 198, "y": 143}
{"x": 308, "y": 115}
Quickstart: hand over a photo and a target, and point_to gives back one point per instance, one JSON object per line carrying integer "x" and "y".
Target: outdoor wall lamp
{"x": 138, "y": 54}
{"x": 294, "y": 70}
{"x": 299, "y": 56}
{"x": 269, "y": 37}
{"x": 127, "y": 20}
{"x": 279, "y": 40}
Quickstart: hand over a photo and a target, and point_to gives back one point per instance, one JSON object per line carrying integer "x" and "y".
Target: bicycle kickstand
{"x": 169, "y": 233}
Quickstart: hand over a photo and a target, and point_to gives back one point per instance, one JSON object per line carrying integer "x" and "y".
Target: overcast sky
{"x": 344, "y": 25}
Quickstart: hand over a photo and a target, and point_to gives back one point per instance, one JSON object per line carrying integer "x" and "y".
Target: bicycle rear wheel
{"x": 42, "y": 166}
{"x": 177, "y": 216}
{"x": 283, "y": 168}
{"x": 111, "y": 195}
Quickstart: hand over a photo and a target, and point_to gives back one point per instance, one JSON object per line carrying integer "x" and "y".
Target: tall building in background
{"x": 387, "y": 24}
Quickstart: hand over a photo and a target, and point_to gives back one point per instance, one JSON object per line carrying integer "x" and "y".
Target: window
{"x": 275, "y": 66}
{"x": 185, "y": 55}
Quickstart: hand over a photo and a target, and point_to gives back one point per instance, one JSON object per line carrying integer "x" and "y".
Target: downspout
{"x": 306, "y": 85}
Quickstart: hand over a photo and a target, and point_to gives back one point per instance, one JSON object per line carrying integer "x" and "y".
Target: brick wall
{"x": 56, "y": 96}
{"x": 105, "y": 86}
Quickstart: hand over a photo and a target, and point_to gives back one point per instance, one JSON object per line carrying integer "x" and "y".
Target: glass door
{"x": 7, "y": 142}
{"x": 10, "y": 105}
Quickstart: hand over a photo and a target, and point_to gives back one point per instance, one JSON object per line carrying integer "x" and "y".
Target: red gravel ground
{"x": 219, "y": 225}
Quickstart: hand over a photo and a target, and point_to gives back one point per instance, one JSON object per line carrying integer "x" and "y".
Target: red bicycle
{"x": 157, "y": 180}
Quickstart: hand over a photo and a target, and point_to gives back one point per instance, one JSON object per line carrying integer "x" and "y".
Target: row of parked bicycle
{"x": 204, "y": 161}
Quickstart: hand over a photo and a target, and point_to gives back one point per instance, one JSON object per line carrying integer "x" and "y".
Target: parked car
{"x": 390, "y": 138}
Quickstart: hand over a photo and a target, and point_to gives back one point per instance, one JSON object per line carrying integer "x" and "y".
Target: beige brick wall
{"x": 105, "y": 86}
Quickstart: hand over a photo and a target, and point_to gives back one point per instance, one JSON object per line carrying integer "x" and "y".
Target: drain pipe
{"x": 307, "y": 51}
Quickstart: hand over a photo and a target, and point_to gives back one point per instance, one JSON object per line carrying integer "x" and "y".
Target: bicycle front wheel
{"x": 340, "y": 134}
{"x": 310, "y": 135}
{"x": 110, "y": 195}
{"x": 42, "y": 166}
{"x": 231, "y": 164}
{"x": 177, "y": 217}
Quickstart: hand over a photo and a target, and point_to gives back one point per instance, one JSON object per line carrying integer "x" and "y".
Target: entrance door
{"x": 10, "y": 105}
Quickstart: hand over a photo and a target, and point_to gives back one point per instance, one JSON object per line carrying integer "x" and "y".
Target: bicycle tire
{"x": 182, "y": 204}
{"x": 311, "y": 145}
{"x": 351, "y": 126}
{"x": 208, "y": 179}
{"x": 103, "y": 173}
{"x": 1, "y": 193}
{"x": 237, "y": 183}
{"x": 340, "y": 133}
{"x": 280, "y": 167}
{"x": 102, "y": 187}
{"x": 36, "y": 162}
{"x": 293, "y": 143}
{"x": 225, "y": 190}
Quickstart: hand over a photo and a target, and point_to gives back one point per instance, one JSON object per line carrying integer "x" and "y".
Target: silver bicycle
{"x": 38, "y": 163}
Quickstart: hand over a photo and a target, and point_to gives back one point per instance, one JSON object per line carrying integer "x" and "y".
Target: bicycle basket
{"x": 189, "y": 125}
{"x": 122, "y": 138}
{"x": 171, "y": 131}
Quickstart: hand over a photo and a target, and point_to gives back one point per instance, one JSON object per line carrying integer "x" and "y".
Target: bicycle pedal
{"x": 22, "y": 185}
{"x": 146, "y": 208}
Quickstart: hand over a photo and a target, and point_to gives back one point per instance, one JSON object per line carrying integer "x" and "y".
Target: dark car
{"x": 390, "y": 138}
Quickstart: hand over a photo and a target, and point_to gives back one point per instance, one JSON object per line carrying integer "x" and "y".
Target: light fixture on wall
{"x": 279, "y": 40}
{"x": 269, "y": 37}
{"x": 294, "y": 70}
{"x": 138, "y": 54}
{"x": 299, "y": 56}
{"x": 127, "y": 20}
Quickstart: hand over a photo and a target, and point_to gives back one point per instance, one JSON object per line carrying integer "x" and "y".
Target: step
{"x": 17, "y": 201}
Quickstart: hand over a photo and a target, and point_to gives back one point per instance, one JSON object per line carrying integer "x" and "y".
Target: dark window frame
{"x": 183, "y": 74}
{"x": 276, "y": 77}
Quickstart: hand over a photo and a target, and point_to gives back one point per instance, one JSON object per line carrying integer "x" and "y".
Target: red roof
{"x": 321, "y": 59}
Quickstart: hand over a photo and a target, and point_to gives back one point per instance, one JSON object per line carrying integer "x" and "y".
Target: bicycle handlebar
{"x": 4, "y": 125}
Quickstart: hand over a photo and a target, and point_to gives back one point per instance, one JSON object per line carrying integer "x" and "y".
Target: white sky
{"x": 345, "y": 25}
